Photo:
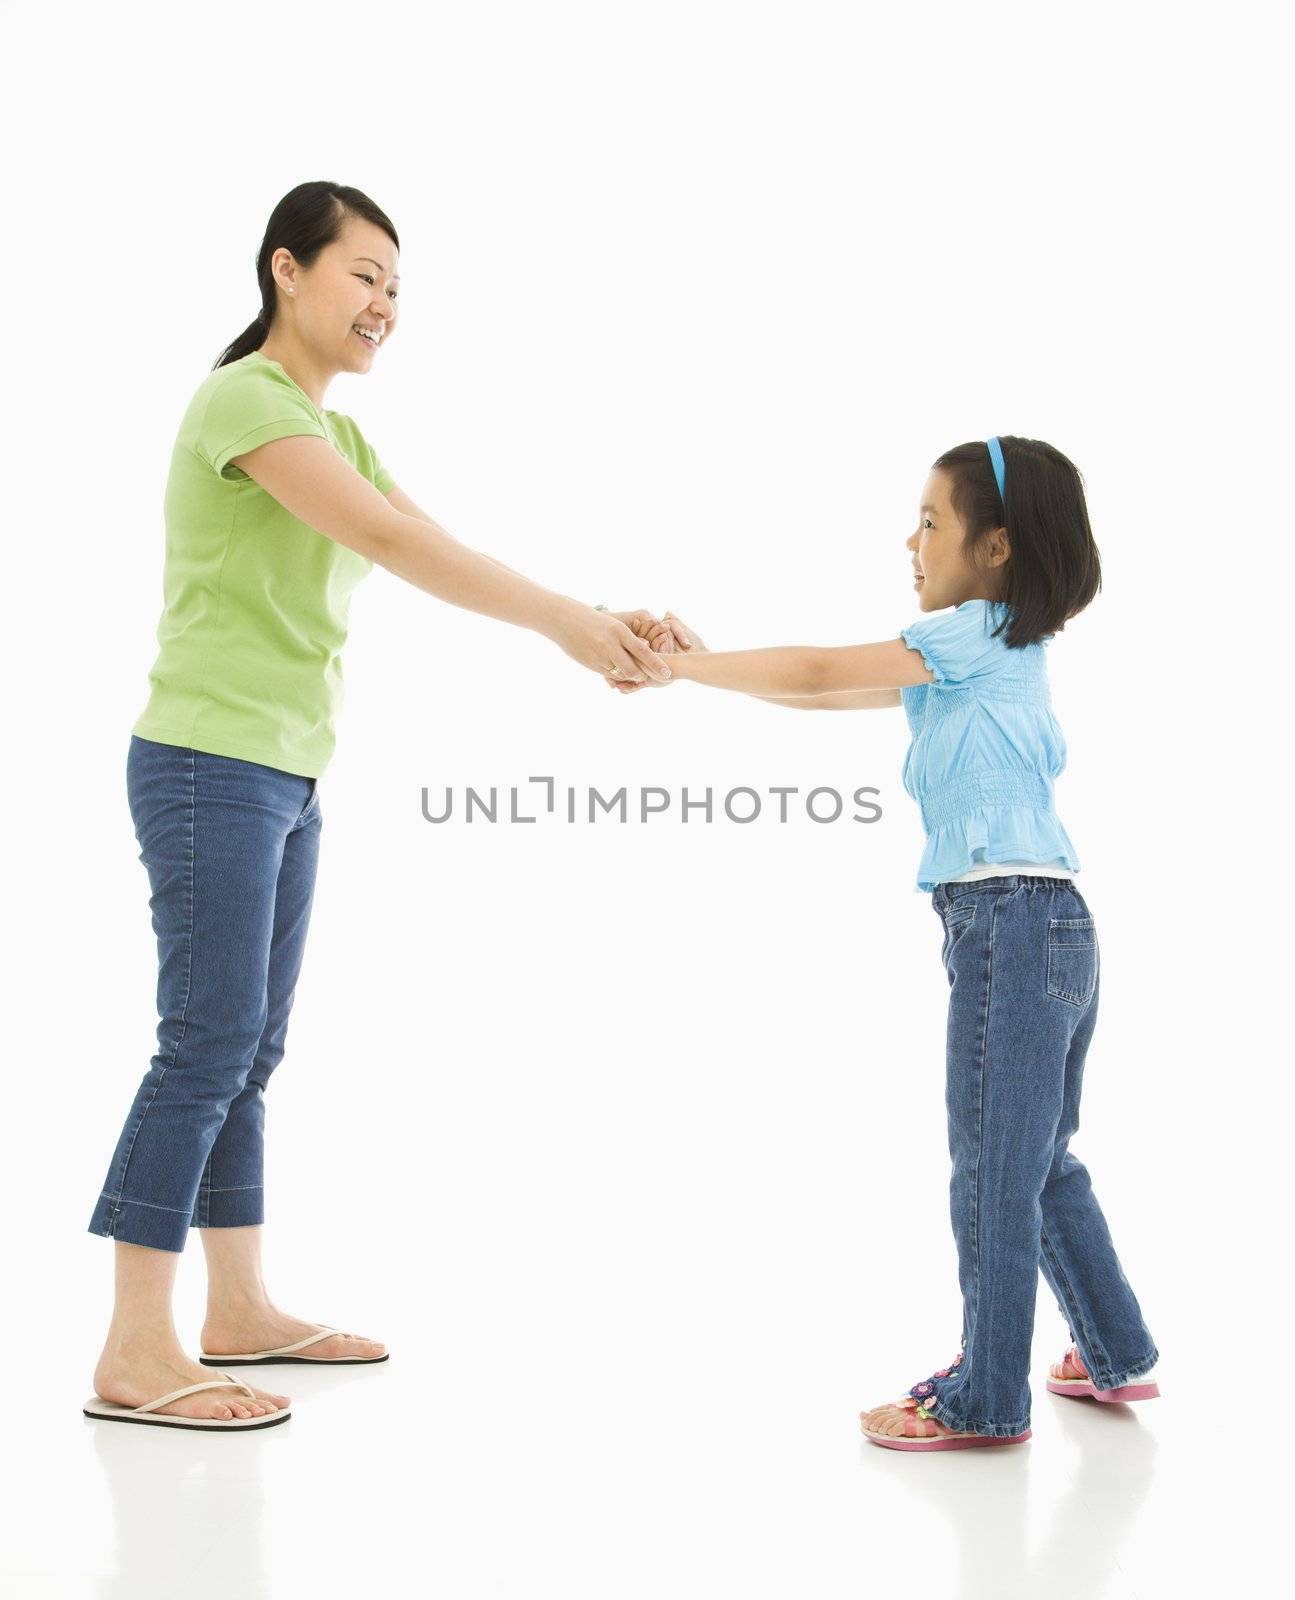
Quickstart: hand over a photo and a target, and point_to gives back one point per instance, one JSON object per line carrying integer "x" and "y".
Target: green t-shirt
{"x": 255, "y": 600}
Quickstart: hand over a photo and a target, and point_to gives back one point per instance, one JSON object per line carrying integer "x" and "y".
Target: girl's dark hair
{"x": 1054, "y": 570}
{"x": 307, "y": 218}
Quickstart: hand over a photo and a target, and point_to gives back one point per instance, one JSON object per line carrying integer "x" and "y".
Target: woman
{"x": 275, "y": 509}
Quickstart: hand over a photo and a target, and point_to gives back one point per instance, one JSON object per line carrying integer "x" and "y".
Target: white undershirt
{"x": 998, "y": 869}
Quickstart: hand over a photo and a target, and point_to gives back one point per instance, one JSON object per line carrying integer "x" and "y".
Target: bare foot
{"x": 889, "y": 1419}
{"x": 899, "y": 1421}
{"x": 880, "y": 1414}
{"x": 229, "y": 1333}
{"x": 136, "y": 1377}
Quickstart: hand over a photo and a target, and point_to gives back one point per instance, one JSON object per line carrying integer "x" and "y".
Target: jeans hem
{"x": 1117, "y": 1380}
{"x": 133, "y": 1222}
{"x": 241, "y": 1207}
{"x": 996, "y": 1430}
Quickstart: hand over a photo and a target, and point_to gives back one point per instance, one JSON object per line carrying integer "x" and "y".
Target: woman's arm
{"x": 309, "y": 477}
{"x": 641, "y": 623}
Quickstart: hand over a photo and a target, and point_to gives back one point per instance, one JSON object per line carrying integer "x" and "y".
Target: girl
{"x": 1003, "y": 557}
{"x": 275, "y": 509}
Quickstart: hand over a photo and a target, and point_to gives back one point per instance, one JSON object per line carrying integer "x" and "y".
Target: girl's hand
{"x": 645, "y": 626}
{"x": 601, "y": 641}
{"x": 687, "y": 638}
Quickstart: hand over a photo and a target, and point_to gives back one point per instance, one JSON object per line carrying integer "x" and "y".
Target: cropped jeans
{"x": 231, "y": 849}
{"x": 1023, "y": 964}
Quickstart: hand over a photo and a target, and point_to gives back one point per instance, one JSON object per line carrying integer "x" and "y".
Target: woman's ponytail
{"x": 251, "y": 338}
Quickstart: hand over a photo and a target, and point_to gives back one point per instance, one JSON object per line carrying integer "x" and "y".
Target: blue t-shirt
{"x": 986, "y": 746}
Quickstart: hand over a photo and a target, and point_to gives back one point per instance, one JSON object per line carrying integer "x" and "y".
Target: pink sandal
{"x": 924, "y": 1431}
{"x": 1070, "y": 1376}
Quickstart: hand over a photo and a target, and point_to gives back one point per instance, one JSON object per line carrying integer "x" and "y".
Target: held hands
{"x": 664, "y": 636}
{"x": 613, "y": 643}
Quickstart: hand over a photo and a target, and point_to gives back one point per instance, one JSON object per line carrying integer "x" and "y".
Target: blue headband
{"x": 1000, "y": 470}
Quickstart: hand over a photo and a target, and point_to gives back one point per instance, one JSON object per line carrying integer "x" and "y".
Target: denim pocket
{"x": 957, "y": 919}
{"x": 1072, "y": 959}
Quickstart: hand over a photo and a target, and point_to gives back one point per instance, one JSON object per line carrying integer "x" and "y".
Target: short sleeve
{"x": 250, "y": 406}
{"x": 359, "y": 452}
{"x": 382, "y": 479}
{"x": 958, "y": 646}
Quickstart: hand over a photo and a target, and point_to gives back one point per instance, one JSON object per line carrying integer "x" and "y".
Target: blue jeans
{"x": 231, "y": 849}
{"x": 1023, "y": 964}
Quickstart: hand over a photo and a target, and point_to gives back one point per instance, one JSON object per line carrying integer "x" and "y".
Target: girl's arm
{"x": 841, "y": 700}
{"x": 673, "y": 636}
{"x": 793, "y": 670}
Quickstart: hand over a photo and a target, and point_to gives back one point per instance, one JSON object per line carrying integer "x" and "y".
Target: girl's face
{"x": 944, "y": 577}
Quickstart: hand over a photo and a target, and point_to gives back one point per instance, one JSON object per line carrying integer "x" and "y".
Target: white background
{"x": 629, "y": 1140}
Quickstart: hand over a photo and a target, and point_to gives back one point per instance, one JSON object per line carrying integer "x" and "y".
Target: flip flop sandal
{"x": 1070, "y": 1376}
{"x": 110, "y": 1411}
{"x": 923, "y": 1431}
{"x": 287, "y": 1352}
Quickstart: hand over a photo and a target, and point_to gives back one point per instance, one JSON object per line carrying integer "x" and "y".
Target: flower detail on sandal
{"x": 927, "y": 1385}
{"x": 942, "y": 1430}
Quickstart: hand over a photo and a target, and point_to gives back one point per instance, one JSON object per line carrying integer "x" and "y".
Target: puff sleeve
{"x": 250, "y": 406}
{"x": 957, "y": 645}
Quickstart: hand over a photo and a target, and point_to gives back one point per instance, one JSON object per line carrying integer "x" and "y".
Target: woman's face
{"x": 354, "y": 282}
{"x": 944, "y": 577}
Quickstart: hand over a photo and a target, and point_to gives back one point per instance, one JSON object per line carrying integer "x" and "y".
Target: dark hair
{"x": 307, "y": 218}
{"x": 1054, "y": 569}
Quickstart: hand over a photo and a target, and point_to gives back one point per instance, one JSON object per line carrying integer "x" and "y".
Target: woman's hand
{"x": 606, "y": 643}
{"x": 665, "y": 636}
